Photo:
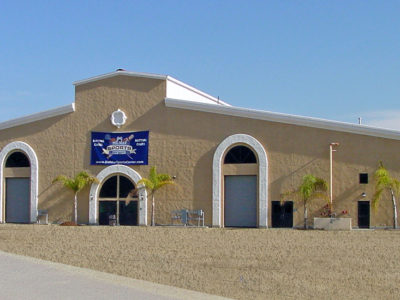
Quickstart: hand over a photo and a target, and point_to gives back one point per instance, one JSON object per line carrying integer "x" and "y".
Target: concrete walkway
{"x": 29, "y": 278}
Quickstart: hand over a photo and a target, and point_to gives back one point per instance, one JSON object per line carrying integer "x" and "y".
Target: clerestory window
{"x": 17, "y": 160}
{"x": 240, "y": 155}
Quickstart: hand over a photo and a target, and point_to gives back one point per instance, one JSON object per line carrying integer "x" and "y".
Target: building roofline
{"x": 284, "y": 118}
{"x": 58, "y": 111}
{"x": 152, "y": 76}
{"x": 117, "y": 73}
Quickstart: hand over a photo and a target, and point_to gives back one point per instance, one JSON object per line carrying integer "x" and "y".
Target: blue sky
{"x": 328, "y": 59}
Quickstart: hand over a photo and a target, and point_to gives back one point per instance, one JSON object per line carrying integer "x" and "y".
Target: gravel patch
{"x": 236, "y": 263}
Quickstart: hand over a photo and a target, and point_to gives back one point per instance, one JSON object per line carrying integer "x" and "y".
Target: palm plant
{"x": 385, "y": 183}
{"x": 311, "y": 188}
{"x": 153, "y": 184}
{"x": 76, "y": 184}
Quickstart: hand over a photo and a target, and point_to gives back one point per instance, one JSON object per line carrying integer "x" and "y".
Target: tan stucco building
{"x": 233, "y": 163}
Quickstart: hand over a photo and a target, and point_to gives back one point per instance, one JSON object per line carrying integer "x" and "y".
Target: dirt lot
{"x": 237, "y": 263}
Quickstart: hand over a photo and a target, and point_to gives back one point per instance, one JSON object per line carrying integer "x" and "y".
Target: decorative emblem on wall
{"x": 118, "y": 118}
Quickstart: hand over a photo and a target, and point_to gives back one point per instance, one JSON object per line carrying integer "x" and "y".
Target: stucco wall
{"x": 183, "y": 142}
{"x": 51, "y": 139}
{"x": 294, "y": 151}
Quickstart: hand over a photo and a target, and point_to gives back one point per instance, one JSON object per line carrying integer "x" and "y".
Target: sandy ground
{"x": 237, "y": 263}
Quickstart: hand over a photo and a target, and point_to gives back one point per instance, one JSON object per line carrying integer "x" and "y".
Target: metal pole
{"x": 331, "y": 150}
{"x": 330, "y": 173}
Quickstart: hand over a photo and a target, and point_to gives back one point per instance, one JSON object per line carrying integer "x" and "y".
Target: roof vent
{"x": 118, "y": 70}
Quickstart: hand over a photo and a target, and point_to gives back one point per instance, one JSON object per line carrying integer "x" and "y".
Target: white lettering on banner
{"x": 119, "y": 146}
{"x": 119, "y": 149}
{"x": 110, "y": 162}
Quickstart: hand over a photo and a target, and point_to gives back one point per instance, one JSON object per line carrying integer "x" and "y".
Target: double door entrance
{"x": 118, "y": 202}
{"x": 125, "y": 213}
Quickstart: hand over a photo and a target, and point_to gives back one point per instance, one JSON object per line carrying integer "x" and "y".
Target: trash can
{"x": 112, "y": 220}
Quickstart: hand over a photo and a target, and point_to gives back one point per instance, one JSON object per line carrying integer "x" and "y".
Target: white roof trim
{"x": 284, "y": 118}
{"x": 62, "y": 110}
{"x": 216, "y": 100}
{"x": 117, "y": 73}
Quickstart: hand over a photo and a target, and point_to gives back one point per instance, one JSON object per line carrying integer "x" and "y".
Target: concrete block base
{"x": 332, "y": 223}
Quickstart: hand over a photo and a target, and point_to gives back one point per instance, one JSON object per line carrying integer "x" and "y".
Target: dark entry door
{"x": 17, "y": 200}
{"x": 128, "y": 212}
{"x": 126, "y": 215}
{"x": 240, "y": 203}
{"x": 363, "y": 214}
{"x": 282, "y": 215}
{"x": 106, "y": 209}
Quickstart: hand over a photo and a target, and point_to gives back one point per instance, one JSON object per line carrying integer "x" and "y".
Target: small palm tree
{"x": 385, "y": 183}
{"x": 311, "y": 188}
{"x": 153, "y": 184}
{"x": 76, "y": 184}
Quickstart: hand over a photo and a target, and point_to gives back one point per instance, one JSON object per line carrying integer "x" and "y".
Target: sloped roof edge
{"x": 62, "y": 110}
{"x": 152, "y": 76}
{"x": 284, "y": 118}
{"x": 117, "y": 73}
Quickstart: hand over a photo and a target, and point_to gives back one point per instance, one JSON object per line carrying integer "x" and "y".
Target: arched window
{"x": 240, "y": 155}
{"x": 118, "y": 197}
{"x": 17, "y": 160}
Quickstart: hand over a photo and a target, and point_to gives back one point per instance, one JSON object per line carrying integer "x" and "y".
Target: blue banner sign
{"x": 125, "y": 148}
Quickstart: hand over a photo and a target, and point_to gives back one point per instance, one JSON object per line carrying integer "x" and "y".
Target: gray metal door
{"x": 240, "y": 204}
{"x": 17, "y": 200}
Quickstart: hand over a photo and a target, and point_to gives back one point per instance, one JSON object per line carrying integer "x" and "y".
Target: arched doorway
{"x": 240, "y": 187}
{"x": 19, "y": 183}
{"x": 118, "y": 197}
{"x": 118, "y": 193}
{"x": 219, "y": 174}
{"x": 17, "y": 180}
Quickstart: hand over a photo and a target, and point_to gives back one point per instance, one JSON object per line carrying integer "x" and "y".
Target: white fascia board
{"x": 196, "y": 91}
{"x": 58, "y": 111}
{"x": 117, "y": 73}
{"x": 284, "y": 118}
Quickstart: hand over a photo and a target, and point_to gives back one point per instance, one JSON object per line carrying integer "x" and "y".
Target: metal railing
{"x": 186, "y": 217}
